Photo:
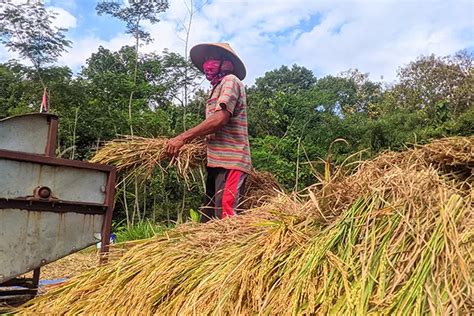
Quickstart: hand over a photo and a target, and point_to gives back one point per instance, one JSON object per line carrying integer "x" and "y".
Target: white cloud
{"x": 83, "y": 48}
{"x": 374, "y": 36}
{"x": 63, "y": 18}
{"x": 379, "y": 37}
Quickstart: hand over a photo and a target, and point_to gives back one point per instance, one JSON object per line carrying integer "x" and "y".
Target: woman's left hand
{"x": 174, "y": 145}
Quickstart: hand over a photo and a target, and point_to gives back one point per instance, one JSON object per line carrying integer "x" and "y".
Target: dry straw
{"x": 140, "y": 157}
{"x": 393, "y": 237}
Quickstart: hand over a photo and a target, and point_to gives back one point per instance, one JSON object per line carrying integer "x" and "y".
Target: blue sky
{"x": 328, "y": 37}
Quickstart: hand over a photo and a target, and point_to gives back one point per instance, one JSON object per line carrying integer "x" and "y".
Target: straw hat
{"x": 201, "y": 51}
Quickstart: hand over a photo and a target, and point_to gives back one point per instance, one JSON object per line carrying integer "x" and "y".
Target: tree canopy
{"x": 27, "y": 29}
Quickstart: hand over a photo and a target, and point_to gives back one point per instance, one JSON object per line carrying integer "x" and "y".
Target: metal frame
{"x": 50, "y": 149}
{"x": 52, "y": 161}
{"x": 53, "y": 206}
{"x": 32, "y": 203}
{"x": 109, "y": 202}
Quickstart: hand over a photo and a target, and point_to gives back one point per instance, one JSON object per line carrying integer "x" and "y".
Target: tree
{"x": 27, "y": 29}
{"x": 368, "y": 94}
{"x": 134, "y": 14}
{"x": 109, "y": 77}
{"x": 179, "y": 72}
{"x": 284, "y": 79}
{"x": 188, "y": 66}
{"x": 436, "y": 86}
{"x": 349, "y": 93}
{"x": 334, "y": 95}
{"x": 277, "y": 98}
{"x": 8, "y": 83}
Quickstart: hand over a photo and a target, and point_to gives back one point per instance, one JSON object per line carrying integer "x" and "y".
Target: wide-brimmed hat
{"x": 200, "y": 52}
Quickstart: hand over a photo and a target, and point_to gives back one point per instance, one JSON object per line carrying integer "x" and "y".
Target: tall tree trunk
{"x": 297, "y": 165}
{"x": 144, "y": 202}
{"x": 186, "y": 43}
{"x": 137, "y": 202}
{"x": 137, "y": 41}
{"x": 181, "y": 212}
{"x": 154, "y": 206}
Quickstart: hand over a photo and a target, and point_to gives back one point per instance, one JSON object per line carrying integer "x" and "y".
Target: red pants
{"x": 224, "y": 191}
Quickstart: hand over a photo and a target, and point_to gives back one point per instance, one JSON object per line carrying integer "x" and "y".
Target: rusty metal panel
{"x": 49, "y": 207}
{"x": 19, "y": 179}
{"x": 26, "y": 133}
{"x": 29, "y": 239}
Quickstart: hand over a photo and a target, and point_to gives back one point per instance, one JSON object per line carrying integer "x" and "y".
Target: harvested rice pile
{"x": 394, "y": 237}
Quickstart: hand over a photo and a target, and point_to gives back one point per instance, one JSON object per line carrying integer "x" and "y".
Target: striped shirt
{"x": 229, "y": 147}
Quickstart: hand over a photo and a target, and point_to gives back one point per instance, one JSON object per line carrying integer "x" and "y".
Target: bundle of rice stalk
{"x": 453, "y": 151}
{"x": 139, "y": 156}
{"x": 400, "y": 244}
{"x": 260, "y": 187}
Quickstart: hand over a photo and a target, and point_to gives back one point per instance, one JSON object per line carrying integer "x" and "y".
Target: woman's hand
{"x": 174, "y": 145}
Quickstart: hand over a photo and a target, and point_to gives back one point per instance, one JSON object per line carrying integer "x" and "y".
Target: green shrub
{"x": 141, "y": 230}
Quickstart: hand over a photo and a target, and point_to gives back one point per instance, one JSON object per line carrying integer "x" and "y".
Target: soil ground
{"x": 69, "y": 266}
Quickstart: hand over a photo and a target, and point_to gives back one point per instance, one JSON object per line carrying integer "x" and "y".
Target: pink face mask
{"x": 211, "y": 68}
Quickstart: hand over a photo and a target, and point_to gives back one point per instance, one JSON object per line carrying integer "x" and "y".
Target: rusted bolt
{"x": 43, "y": 192}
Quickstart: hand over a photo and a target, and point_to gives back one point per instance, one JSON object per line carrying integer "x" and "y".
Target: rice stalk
{"x": 395, "y": 237}
{"x": 139, "y": 157}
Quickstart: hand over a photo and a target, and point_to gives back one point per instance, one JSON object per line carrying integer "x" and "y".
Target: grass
{"x": 141, "y": 230}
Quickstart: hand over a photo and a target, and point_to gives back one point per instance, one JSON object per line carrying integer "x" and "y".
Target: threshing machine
{"x": 49, "y": 207}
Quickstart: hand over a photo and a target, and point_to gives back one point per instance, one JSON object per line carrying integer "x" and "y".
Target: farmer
{"x": 225, "y": 128}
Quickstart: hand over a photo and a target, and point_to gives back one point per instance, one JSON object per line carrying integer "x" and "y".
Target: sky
{"x": 328, "y": 37}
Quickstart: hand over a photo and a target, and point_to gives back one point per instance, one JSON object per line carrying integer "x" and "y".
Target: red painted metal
{"x": 50, "y": 149}
{"x": 107, "y": 224}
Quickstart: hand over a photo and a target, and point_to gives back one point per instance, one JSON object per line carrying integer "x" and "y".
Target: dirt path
{"x": 69, "y": 266}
